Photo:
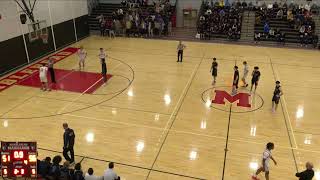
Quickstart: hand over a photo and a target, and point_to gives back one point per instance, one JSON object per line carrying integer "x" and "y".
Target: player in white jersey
{"x": 245, "y": 73}
{"x": 265, "y": 162}
{"x": 82, "y": 57}
{"x": 102, "y": 55}
{"x": 43, "y": 72}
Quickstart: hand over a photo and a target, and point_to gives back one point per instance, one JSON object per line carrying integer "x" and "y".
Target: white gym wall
{"x": 61, "y": 10}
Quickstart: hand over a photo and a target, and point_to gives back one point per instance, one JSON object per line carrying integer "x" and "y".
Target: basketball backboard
{"x": 37, "y": 28}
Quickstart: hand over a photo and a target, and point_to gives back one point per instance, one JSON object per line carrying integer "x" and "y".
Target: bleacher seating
{"x": 218, "y": 21}
{"x": 272, "y": 25}
{"x": 133, "y": 18}
{"x": 106, "y": 10}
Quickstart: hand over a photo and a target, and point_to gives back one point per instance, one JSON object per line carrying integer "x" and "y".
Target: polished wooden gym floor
{"x": 153, "y": 119}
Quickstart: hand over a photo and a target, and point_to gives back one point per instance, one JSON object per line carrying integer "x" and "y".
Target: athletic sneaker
{"x": 255, "y": 178}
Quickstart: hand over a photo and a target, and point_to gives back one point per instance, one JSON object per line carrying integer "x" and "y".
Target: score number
{"x": 18, "y": 171}
{"x": 5, "y": 158}
{"x": 18, "y": 155}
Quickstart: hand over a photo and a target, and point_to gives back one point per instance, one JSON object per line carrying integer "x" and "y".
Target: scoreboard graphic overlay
{"x": 19, "y": 159}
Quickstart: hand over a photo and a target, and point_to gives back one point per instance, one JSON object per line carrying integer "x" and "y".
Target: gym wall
{"x": 66, "y": 22}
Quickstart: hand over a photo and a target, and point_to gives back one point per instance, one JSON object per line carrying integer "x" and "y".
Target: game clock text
{"x": 19, "y": 159}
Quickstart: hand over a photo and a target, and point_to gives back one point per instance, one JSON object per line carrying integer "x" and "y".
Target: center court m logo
{"x": 242, "y": 98}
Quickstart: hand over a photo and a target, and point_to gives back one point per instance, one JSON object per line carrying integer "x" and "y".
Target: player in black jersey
{"x": 235, "y": 80}
{"x": 255, "y": 78}
{"x": 214, "y": 70}
{"x": 276, "y": 96}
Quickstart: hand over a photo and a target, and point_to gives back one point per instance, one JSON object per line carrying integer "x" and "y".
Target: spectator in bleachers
{"x": 244, "y": 4}
{"x": 280, "y": 36}
{"x": 307, "y": 6}
{"x": 290, "y": 18}
{"x": 271, "y": 33}
{"x": 78, "y": 174}
{"x": 151, "y": 26}
{"x": 65, "y": 171}
{"x": 302, "y": 34}
{"x": 44, "y": 167}
{"x": 112, "y": 30}
{"x": 128, "y": 27}
{"x": 238, "y": 4}
{"x": 222, "y": 13}
{"x": 109, "y": 174}
{"x": 89, "y": 175}
{"x": 54, "y": 172}
{"x": 221, "y": 3}
{"x": 143, "y": 28}
{"x": 227, "y": 3}
{"x": 275, "y": 5}
{"x": 101, "y": 19}
{"x": 280, "y": 14}
{"x": 208, "y": 12}
{"x": 257, "y": 37}
{"x": 124, "y": 3}
{"x": 315, "y": 41}
{"x": 266, "y": 29}
{"x": 144, "y": 2}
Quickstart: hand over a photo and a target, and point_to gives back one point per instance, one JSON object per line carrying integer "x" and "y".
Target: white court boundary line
{"x": 285, "y": 108}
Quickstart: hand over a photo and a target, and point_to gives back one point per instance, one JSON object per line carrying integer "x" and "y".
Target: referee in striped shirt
{"x": 180, "y": 49}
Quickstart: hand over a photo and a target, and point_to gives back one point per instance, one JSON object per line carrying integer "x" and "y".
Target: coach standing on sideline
{"x": 51, "y": 70}
{"x": 180, "y": 49}
{"x": 307, "y": 174}
{"x": 68, "y": 143}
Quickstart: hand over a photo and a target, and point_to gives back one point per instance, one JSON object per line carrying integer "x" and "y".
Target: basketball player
{"x": 43, "y": 71}
{"x": 82, "y": 56}
{"x": 214, "y": 70}
{"x": 102, "y": 56}
{"x": 255, "y": 78}
{"x": 104, "y": 70}
{"x": 245, "y": 73}
{"x": 235, "y": 80}
{"x": 265, "y": 162}
{"x": 276, "y": 96}
{"x": 180, "y": 49}
{"x": 51, "y": 70}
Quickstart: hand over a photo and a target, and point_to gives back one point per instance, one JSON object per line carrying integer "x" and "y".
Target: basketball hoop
{"x": 44, "y": 38}
{"x": 38, "y": 30}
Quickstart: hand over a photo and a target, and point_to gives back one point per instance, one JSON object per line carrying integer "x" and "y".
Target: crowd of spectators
{"x": 298, "y": 18}
{"x": 53, "y": 170}
{"x": 139, "y": 19}
{"x": 218, "y": 18}
{"x": 270, "y": 33}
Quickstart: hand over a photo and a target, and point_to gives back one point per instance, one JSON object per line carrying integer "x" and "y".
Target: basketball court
{"x": 155, "y": 118}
